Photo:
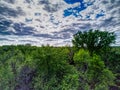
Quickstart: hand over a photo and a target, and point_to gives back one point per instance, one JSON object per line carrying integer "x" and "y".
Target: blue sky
{"x": 54, "y": 22}
{"x": 81, "y": 7}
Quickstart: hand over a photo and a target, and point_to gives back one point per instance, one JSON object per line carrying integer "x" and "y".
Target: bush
{"x": 92, "y": 71}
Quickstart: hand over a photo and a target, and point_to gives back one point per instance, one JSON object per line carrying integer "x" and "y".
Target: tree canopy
{"x": 93, "y": 40}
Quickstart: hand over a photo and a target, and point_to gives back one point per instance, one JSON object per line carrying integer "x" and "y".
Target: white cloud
{"x": 43, "y": 24}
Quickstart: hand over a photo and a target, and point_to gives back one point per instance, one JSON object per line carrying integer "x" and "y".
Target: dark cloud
{"x": 113, "y": 5}
{"x": 28, "y": 1}
{"x": 2, "y": 39}
{"x": 48, "y": 6}
{"x": 10, "y": 1}
{"x": 105, "y": 2}
{"x": 4, "y": 25}
{"x": 26, "y": 41}
{"x": 51, "y": 8}
{"x": 43, "y": 2}
{"x": 21, "y": 29}
{"x": 64, "y": 34}
{"x": 6, "y": 39}
{"x": 43, "y": 35}
{"x": 7, "y": 11}
{"x": 110, "y": 22}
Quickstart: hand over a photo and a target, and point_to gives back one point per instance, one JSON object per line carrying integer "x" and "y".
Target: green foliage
{"x": 112, "y": 60}
{"x": 54, "y": 73}
{"x": 92, "y": 71}
{"x": 101, "y": 87}
{"x": 94, "y": 41}
{"x": 10, "y": 63}
{"x": 57, "y": 68}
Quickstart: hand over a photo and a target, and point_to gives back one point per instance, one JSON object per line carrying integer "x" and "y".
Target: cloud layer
{"x": 54, "y": 22}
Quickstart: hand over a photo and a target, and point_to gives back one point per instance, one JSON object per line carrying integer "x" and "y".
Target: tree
{"x": 93, "y": 40}
{"x": 53, "y": 70}
{"x": 11, "y": 62}
{"x": 93, "y": 75}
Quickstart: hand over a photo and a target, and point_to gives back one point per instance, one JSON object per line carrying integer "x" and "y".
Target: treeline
{"x": 58, "y": 68}
{"x": 91, "y": 64}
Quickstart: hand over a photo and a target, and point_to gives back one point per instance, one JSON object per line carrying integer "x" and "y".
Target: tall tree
{"x": 93, "y": 40}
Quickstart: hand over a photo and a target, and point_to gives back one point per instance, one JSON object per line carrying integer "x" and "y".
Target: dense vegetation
{"x": 25, "y": 67}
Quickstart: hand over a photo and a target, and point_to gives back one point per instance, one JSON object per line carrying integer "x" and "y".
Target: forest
{"x": 92, "y": 63}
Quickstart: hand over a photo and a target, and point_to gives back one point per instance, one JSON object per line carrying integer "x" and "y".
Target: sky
{"x": 54, "y": 22}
